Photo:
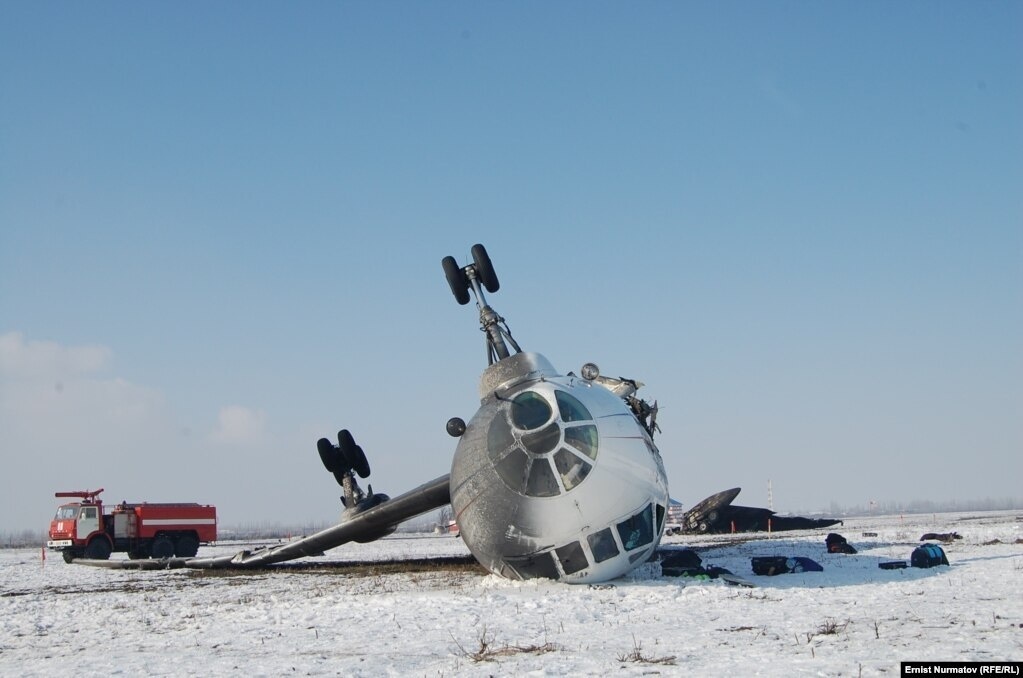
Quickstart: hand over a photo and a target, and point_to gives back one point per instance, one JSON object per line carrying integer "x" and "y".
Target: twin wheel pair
{"x": 461, "y": 279}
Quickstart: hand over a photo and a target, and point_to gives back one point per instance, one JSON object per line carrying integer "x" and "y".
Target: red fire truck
{"x": 145, "y": 530}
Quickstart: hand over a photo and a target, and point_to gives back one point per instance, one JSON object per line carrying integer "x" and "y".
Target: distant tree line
{"x": 882, "y": 508}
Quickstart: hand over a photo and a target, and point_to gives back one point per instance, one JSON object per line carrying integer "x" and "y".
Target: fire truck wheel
{"x": 186, "y": 547}
{"x": 98, "y": 549}
{"x": 68, "y": 556}
{"x": 162, "y": 547}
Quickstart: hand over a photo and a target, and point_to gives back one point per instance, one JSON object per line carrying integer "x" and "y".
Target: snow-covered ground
{"x": 851, "y": 619}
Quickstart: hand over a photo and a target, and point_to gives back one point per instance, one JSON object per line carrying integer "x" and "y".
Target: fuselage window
{"x": 530, "y": 410}
{"x": 602, "y": 545}
{"x": 638, "y": 530}
{"x": 572, "y": 557}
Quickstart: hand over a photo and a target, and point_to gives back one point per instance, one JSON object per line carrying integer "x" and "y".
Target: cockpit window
{"x": 572, "y": 557}
{"x": 571, "y": 409}
{"x": 537, "y": 566}
{"x": 530, "y": 410}
{"x": 638, "y": 530}
{"x": 603, "y": 545}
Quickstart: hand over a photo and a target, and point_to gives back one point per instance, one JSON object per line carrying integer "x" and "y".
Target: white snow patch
{"x": 59, "y": 619}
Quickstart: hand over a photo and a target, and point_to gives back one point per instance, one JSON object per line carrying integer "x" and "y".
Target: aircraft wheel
{"x": 98, "y": 549}
{"x": 353, "y": 454}
{"x": 457, "y": 280}
{"x": 328, "y": 454}
{"x": 484, "y": 268}
{"x": 186, "y": 547}
{"x": 162, "y": 547}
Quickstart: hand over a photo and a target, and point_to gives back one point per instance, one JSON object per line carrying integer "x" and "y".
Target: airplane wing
{"x": 368, "y": 525}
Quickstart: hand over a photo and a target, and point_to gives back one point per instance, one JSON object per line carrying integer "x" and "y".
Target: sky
{"x": 799, "y": 224}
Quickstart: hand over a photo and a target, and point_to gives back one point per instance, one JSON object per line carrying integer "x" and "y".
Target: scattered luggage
{"x": 928, "y": 555}
{"x": 774, "y": 565}
{"x": 677, "y": 563}
{"x": 836, "y": 543}
{"x": 946, "y": 537}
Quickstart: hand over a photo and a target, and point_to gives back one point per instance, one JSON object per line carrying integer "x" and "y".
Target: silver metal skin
{"x": 520, "y": 536}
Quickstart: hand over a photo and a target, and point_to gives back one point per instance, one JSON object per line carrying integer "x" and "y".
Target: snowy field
{"x": 852, "y": 619}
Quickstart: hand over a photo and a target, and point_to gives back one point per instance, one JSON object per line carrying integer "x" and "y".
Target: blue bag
{"x": 928, "y": 555}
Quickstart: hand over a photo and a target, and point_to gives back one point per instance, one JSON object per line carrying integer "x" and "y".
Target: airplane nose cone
{"x": 559, "y": 481}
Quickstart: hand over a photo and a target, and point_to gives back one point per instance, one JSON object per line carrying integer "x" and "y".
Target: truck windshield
{"x": 66, "y": 513}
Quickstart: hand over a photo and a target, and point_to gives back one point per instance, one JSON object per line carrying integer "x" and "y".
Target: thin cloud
{"x": 237, "y": 425}
{"x": 47, "y": 359}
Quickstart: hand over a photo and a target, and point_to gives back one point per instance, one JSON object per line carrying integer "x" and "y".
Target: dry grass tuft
{"x": 636, "y": 656}
{"x": 487, "y": 651}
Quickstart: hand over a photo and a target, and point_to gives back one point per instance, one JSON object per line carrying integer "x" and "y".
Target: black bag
{"x": 928, "y": 555}
{"x": 836, "y": 543}
{"x": 677, "y": 563}
{"x": 770, "y": 565}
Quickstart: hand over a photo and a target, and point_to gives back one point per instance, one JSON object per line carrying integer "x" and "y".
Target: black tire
{"x": 69, "y": 555}
{"x": 186, "y": 547}
{"x": 98, "y": 549}
{"x": 328, "y": 454}
{"x": 485, "y": 269}
{"x": 354, "y": 457}
{"x": 357, "y": 458}
{"x": 457, "y": 280}
{"x": 162, "y": 547}
{"x": 346, "y": 442}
